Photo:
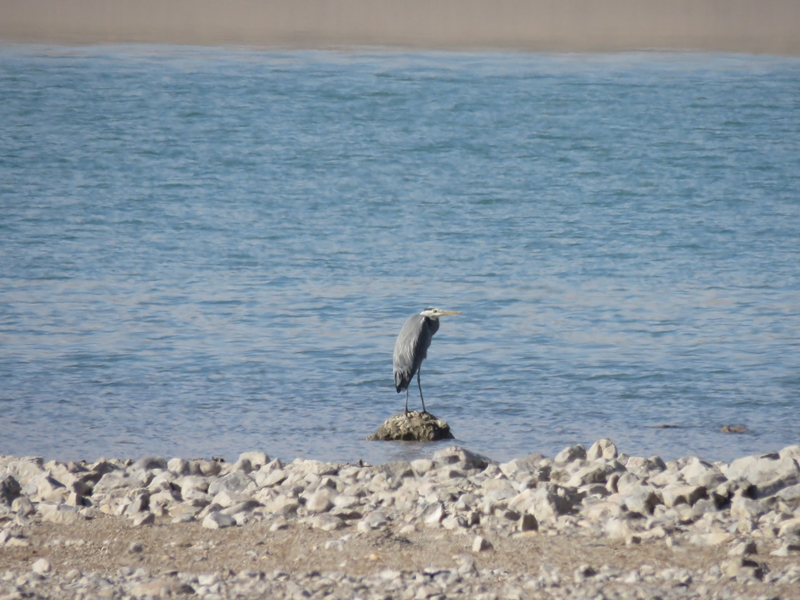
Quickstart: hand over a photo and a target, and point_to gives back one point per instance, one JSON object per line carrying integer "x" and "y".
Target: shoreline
{"x": 459, "y": 524}
{"x": 732, "y": 26}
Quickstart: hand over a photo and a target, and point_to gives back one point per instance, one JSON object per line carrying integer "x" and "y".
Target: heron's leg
{"x": 420, "y": 390}
{"x": 406, "y": 400}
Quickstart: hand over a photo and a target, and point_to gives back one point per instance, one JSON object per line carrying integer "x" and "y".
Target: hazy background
{"x": 750, "y": 26}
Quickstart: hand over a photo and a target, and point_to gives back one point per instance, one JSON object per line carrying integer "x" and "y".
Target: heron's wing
{"x": 409, "y": 350}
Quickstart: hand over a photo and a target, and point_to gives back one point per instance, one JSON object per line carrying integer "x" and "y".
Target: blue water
{"x": 206, "y": 251}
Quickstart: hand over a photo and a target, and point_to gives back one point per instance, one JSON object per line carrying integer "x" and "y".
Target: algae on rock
{"x": 412, "y": 427}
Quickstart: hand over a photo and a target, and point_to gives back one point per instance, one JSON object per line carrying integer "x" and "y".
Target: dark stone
{"x": 9, "y": 489}
{"x": 412, "y": 427}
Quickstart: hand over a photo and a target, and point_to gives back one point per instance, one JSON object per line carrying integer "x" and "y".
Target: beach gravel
{"x": 585, "y": 524}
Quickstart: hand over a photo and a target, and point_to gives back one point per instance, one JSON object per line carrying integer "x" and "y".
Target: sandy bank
{"x": 751, "y": 26}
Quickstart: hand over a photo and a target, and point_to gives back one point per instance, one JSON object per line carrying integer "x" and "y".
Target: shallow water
{"x": 210, "y": 251}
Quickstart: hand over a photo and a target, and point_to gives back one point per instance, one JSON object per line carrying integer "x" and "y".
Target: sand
{"x": 748, "y": 26}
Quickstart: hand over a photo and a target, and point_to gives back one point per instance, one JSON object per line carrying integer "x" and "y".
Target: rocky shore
{"x": 583, "y": 524}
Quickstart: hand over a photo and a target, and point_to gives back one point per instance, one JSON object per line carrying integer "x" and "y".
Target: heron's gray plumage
{"x": 411, "y": 348}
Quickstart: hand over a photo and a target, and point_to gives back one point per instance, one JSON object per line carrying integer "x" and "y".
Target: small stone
{"x": 374, "y": 520}
{"x": 41, "y": 566}
{"x": 278, "y": 524}
{"x": 584, "y": 572}
{"x": 23, "y": 506}
{"x": 480, "y": 544}
{"x": 527, "y": 522}
{"x": 570, "y": 454}
{"x": 327, "y": 522}
{"x": 179, "y": 466}
{"x": 218, "y": 520}
{"x": 319, "y": 501}
{"x": 9, "y": 489}
{"x": 603, "y": 448}
{"x": 743, "y": 549}
{"x": 142, "y": 519}
{"x": 682, "y": 494}
{"x": 257, "y": 459}
{"x": 135, "y": 548}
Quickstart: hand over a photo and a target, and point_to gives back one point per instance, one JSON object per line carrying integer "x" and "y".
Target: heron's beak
{"x": 449, "y": 312}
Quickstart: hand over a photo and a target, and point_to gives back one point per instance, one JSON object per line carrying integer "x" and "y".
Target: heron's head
{"x": 435, "y": 313}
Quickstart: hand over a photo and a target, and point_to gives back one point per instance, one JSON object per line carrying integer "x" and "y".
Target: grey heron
{"x": 411, "y": 348}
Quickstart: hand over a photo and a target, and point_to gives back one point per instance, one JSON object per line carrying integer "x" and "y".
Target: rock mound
{"x": 412, "y": 427}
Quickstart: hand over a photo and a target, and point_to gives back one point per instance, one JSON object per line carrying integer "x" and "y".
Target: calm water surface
{"x": 210, "y": 251}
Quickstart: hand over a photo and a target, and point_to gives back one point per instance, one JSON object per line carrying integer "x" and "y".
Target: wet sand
{"x": 748, "y": 26}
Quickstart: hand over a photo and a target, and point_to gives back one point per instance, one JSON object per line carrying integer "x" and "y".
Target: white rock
{"x": 710, "y": 539}
{"x": 64, "y": 514}
{"x": 218, "y": 520}
{"x": 570, "y": 454}
{"x": 320, "y": 501}
{"x": 743, "y": 549}
{"x": 142, "y": 519}
{"x": 41, "y": 566}
{"x": 434, "y": 514}
{"x": 421, "y": 466}
{"x": 480, "y": 544}
{"x": 375, "y": 520}
{"x": 673, "y": 495}
{"x": 770, "y": 473}
{"x": 603, "y": 448}
{"x": 642, "y": 499}
{"x": 178, "y": 466}
{"x": 326, "y": 522}
{"x": 257, "y": 459}
{"x": 270, "y": 478}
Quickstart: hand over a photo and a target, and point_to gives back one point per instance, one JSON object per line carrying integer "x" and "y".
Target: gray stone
{"x": 149, "y": 463}
{"x": 236, "y": 481}
{"x": 412, "y": 427}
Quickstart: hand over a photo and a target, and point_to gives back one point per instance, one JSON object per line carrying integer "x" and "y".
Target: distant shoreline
{"x": 743, "y": 26}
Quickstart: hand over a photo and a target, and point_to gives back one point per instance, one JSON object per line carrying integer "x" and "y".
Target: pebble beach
{"x": 592, "y": 523}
